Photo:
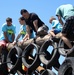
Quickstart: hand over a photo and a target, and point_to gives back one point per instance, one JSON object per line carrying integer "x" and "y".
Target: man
{"x": 33, "y": 21}
{"x": 67, "y": 13}
{"x": 8, "y": 33}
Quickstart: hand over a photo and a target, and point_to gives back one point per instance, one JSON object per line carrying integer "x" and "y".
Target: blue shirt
{"x": 56, "y": 25}
{"x": 9, "y": 30}
{"x": 23, "y": 31}
{"x": 65, "y": 11}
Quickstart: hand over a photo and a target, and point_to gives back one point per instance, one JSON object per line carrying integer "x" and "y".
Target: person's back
{"x": 33, "y": 21}
{"x": 65, "y": 11}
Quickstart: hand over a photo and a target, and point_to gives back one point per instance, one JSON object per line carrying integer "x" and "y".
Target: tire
{"x": 35, "y": 73}
{"x": 48, "y": 72}
{"x": 3, "y": 69}
{"x": 13, "y": 59}
{"x": 3, "y": 65}
{"x": 64, "y": 50}
{"x": 67, "y": 67}
{"x": 4, "y": 55}
{"x": 31, "y": 64}
{"x": 52, "y": 57}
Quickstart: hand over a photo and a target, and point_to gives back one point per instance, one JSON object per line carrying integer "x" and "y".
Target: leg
{"x": 2, "y": 44}
{"x": 51, "y": 33}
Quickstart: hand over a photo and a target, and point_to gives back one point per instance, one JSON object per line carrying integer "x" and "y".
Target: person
{"x": 23, "y": 30}
{"x": 56, "y": 27}
{"x": 66, "y": 12}
{"x": 8, "y": 33}
{"x": 33, "y": 21}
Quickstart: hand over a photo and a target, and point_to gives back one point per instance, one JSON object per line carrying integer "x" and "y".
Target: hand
{"x": 26, "y": 37}
{"x": 14, "y": 43}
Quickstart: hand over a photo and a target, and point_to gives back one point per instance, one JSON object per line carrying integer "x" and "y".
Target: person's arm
{"x": 26, "y": 37}
{"x": 5, "y": 35}
{"x": 60, "y": 20}
{"x": 13, "y": 37}
{"x": 18, "y": 36}
{"x": 35, "y": 23}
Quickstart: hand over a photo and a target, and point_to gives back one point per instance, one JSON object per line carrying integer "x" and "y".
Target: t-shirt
{"x": 9, "y": 30}
{"x": 56, "y": 25}
{"x": 65, "y": 11}
{"x": 23, "y": 31}
{"x": 32, "y": 18}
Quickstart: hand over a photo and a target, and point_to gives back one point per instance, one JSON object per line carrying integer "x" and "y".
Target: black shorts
{"x": 68, "y": 26}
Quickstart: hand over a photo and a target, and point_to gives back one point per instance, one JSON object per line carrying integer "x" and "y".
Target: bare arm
{"x": 18, "y": 36}
{"x": 6, "y": 38}
{"x": 35, "y": 24}
{"x": 60, "y": 20}
{"x": 13, "y": 37}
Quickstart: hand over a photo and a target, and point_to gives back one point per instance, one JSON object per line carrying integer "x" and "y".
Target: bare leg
{"x": 52, "y": 33}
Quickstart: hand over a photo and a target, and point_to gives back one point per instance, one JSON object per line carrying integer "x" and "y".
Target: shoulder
{"x": 13, "y": 26}
{"x": 33, "y": 14}
{"x": 22, "y": 26}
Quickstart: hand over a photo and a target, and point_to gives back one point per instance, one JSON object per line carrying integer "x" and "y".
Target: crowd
{"x": 31, "y": 22}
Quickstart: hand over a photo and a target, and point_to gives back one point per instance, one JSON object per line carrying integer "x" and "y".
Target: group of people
{"x": 31, "y": 22}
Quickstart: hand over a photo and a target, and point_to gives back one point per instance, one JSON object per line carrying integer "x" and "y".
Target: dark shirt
{"x": 32, "y": 18}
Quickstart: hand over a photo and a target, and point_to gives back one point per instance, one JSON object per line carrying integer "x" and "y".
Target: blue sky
{"x": 44, "y": 8}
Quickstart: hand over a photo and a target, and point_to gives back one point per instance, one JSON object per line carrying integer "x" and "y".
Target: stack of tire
{"x": 26, "y": 61}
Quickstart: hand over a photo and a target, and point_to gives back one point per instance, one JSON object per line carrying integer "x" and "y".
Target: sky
{"x": 44, "y": 8}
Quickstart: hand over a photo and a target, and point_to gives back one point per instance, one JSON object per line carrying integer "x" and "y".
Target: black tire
{"x": 54, "y": 55}
{"x": 13, "y": 59}
{"x": 31, "y": 64}
{"x": 35, "y": 72}
{"x": 64, "y": 50}
{"x": 67, "y": 67}
{"x": 4, "y": 55}
{"x": 48, "y": 72}
{"x": 3, "y": 65}
{"x": 3, "y": 69}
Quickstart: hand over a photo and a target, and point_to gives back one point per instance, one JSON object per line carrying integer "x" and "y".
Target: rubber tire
{"x": 62, "y": 51}
{"x": 4, "y": 55}
{"x": 66, "y": 66}
{"x": 48, "y": 72}
{"x": 54, "y": 56}
{"x": 3, "y": 69}
{"x": 3, "y": 66}
{"x": 34, "y": 64}
{"x": 16, "y": 61}
{"x": 35, "y": 72}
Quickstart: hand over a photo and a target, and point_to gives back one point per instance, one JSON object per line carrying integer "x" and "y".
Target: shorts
{"x": 57, "y": 31}
{"x": 3, "y": 43}
{"x": 68, "y": 26}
